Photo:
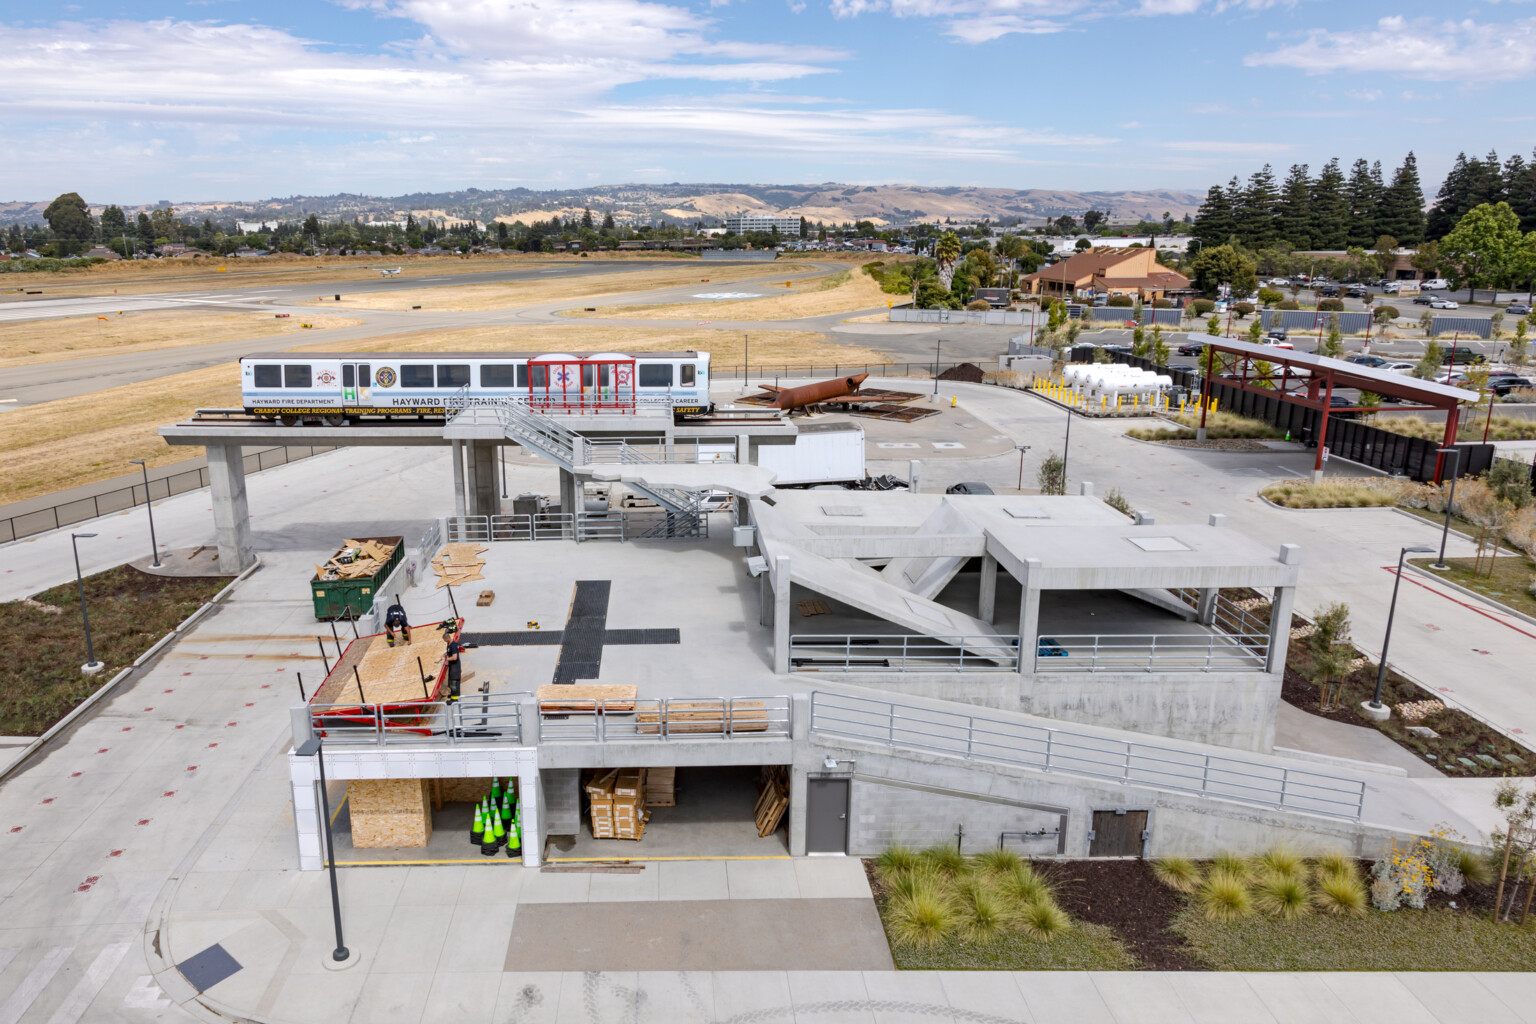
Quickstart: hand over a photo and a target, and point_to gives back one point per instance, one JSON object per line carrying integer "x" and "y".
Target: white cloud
{"x": 1224, "y": 147}
{"x": 974, "y": 21}
{"x": 1448, "y": 51}
{"x": 1364, "y": 95}
{"x": 1158, "y": 7}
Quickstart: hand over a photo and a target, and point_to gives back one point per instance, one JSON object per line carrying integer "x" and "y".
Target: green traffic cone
{"x": 495, "y": 792}
{"x": 506, "y": 809}
{"x": 514, "y": 840}
{"x": 477, "y": 830}
{"x": 490, "y": 842}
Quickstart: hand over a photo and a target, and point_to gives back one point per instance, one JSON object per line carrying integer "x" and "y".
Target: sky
{"x": 134, "y": 101}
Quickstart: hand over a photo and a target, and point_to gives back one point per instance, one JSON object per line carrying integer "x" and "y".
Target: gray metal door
{"x": 1117, "y": 833}
{"x": 826, "y": 816}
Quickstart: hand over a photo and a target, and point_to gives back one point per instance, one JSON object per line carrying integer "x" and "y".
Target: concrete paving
{"x": 162, "y": 823}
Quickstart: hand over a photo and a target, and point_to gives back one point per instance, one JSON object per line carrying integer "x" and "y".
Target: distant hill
{"x": 830, "y": 202}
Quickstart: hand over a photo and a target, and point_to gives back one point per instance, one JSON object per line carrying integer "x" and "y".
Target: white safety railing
{"x": 632, "y": 450}
{"x": 615, "y": 524}
{"x": 662, "y": 719}
{"x": 880, "y": 652}
{"x": 472, "y": 719}
{"x": 1152, "y": 652}
{"x": 1156, "y": 765}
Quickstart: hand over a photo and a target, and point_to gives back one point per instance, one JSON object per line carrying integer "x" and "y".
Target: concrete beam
{"x": 895, "y": 545}
{"x": 460, "y": 506}
{"x": 231, "y": 511}
{"x": 486, "y": 497}
{"x": 1029, "y": 616}
{"x": 987, "y": 606}
{"x": 781, "y": 594}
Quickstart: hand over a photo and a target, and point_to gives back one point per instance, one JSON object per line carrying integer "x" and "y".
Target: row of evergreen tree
{"x": 1335, "y": 211}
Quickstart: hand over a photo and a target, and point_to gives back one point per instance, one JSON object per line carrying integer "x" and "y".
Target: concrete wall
{"x": 920, "y": 798}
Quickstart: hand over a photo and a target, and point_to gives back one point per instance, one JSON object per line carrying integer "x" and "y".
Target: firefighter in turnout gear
{"x": 394, "y": 618}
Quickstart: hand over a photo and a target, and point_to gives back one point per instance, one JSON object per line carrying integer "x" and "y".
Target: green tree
{"x": 1222, "y": 265}
{"x": 609, "y": 225}
{"x": 1159, "y": 346}
{"x": 1051, "y": 477}
{"x": 1256, "y": 331}
{"x": 1333, "y": 345}
{"x": 946, "y": 251}
{"x": 586, "y": 218}
{"x": 1082, "y": 245}
{"x": 1330, "y": 208}
{"x": 1384, "y": 254}
{"x": 1255, "y": 213}
{"x": 1429, "y": 365}
{"x": 1402, "y": 206}
{"x": 1364, "y": 192}
{"x": 1330, "y": 654}
{"x": 1484, "y": 246}
{"x": 70, "y": 220}
{"x": 1517, "y": 345}
{"x": 1293, "y": 214}
{"x": 1213, "y": 325}
{"x": 1213, "y": 223}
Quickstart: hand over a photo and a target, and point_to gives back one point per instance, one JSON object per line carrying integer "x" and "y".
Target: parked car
{"x": 1423, "y": 300}
{"x": 1435, "y": 284}
{"x": 1356, "y": 292}
{"x": 1503, "y": 383}
{"x": 1328, "y": 291}
{"x": 1192, "y": 348}
{"x": 1460, "y": 354}
{"x": 1517, "y": 309}
{"x": 1276, "y": 334}
{"x": 1397, "y": 367}
{"x": 1278, "y": 282}
{"x": 1374, "y": 362}
{"x": 969, "y": 487}
{"x": 1391, "y": 287}
{"x": 1443, "y": 303}
{"x": 1453, "y": 377}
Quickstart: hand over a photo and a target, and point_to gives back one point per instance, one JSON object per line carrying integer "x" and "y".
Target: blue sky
{"x": 139, "y": 100}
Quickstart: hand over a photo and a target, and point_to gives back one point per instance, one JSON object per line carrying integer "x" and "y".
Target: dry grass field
{"x": 138, "y": 277}
{"x": 43, "y": 450}
{"x": 842, "y": 292}
{"x": 505, "y": 294}
{"x": 84, "y": 337}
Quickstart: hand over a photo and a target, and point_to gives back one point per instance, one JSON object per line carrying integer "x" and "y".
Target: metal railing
{"x": 770, "y": 372}
{"x": 1160, "y": 766}
{"x": 472, "y": 719}
{"x": 662, "y": 719}
{"x": 616, "y": 524}
{"x": 882, "y": 652}
{"x": 1153, "y": 652}
{"x": 117, "y": 499}
{"x": 626, "y": 450}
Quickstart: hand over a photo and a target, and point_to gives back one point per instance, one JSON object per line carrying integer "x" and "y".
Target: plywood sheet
{"x": 389, "y": 813}
{"x": 684, "y": 716}
{"x": 388, "y": 674}
{"x": 559, "y": 698}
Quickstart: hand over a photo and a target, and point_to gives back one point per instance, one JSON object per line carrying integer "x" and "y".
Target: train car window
{"x": 269, "y": 376}
{"x": 586, "y": 376}
{"x": 540, "y": 376}
{"x": 498, "y": 375}
{"x": 686, "y": 379}
{"x": 348, "y": 375}
{"x": 415, "y": 376}
{"x": 364, "y": 374}
{"x": 605, "y": 374}
{"x": 655, "y": 375}
{"x": 297, "y": 375}
{"x": 452, "y": 375}
{"x": 522, "y": 375}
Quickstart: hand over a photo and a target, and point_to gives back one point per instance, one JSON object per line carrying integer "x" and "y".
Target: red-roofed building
{"x": 1133, "y": 271}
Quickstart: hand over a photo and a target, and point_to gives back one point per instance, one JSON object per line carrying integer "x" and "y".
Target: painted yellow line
{"x": 389, "y": 863}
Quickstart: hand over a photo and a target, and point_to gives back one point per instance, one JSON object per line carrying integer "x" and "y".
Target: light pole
{"x": 1066, "y": 446}
{"x": 91, "y": 666}
{"x": 154, "y": 549}
{"x": 1446, "y": 531}
{"x": 312, "y": 747}
{"x": 1022, "y": 449}
{"x": 1381, "y": 669}
{"x": 937, "y": 342}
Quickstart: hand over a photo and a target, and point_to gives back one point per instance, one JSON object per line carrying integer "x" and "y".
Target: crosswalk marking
{"x": 146, "y": 995}
{"x": 86, "y": 989}
{"x": 7, "y": 955}
{"x": 33, "y": 984}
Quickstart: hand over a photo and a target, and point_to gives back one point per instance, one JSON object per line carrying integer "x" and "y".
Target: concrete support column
{"x": 781, "y": 592}
{"x": 799, "y": 731}
{"x": 987, "y": 606}
{"x": 531, "y": 808}
{"x": 1280, "y": 608}
{"x": 459, "y": 507}
{"x": 471, "y": 480}
{"x": 1029, "y": 617}
{"x": 765, "y": 599}
{"x": 231, "y": 512}
{"x": 744, "y": 449}
{"x": 912, "y": 475}
{"x": 570, "y": 492}
{"x": 486, "y": 498}
{"x": 1205, "y": 611}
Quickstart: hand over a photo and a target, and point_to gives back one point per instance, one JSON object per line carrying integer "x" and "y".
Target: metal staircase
{"x": 547, "y": 437}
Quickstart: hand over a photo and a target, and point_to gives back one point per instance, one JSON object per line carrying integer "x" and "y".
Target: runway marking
{"x": 85, "y": 991}
{"x": 33, "y": 984}
{"x": 1412, "y": 578}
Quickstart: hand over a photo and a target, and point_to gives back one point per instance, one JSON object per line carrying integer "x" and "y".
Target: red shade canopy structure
{"x": 1309, "y": 380}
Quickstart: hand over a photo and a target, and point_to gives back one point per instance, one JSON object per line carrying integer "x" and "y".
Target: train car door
{"x": 356, "y": 384}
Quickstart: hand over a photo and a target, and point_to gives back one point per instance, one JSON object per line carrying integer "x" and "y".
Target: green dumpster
{"x": 345, "y": 586}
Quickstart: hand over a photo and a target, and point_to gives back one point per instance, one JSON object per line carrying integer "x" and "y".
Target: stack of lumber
{"x": 389, "y": 813}
{"x": 772, "y": 799}
{"x": 704, "y": 716}
{"x": 576, "y": 698}
{"x": 388, "y": 674}
{"x": 357, "y": 560}
{"x": 616, "y": 801}
{"x": 459, "y": 563}
{"x": 660, "y": 788}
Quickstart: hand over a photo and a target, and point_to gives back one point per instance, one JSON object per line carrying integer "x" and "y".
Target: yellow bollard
{"x": 953, "y": 401}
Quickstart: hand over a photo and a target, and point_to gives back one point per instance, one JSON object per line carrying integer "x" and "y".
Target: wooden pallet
{"x": 566, "y": 698}
{"x": 773, "y": 801}
{"x": 703, "y": 716}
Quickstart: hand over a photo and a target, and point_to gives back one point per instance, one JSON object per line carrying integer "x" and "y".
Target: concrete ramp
{"x": 926, "y": 577}
{"x": 861, "y": 587}
{"x": 741, "y": 480}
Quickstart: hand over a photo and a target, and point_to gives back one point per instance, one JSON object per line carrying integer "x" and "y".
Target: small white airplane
{"x": 389, "y": 273}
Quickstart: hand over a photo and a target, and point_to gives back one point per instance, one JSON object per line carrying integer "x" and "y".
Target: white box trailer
{"x": 823, "y": 453}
